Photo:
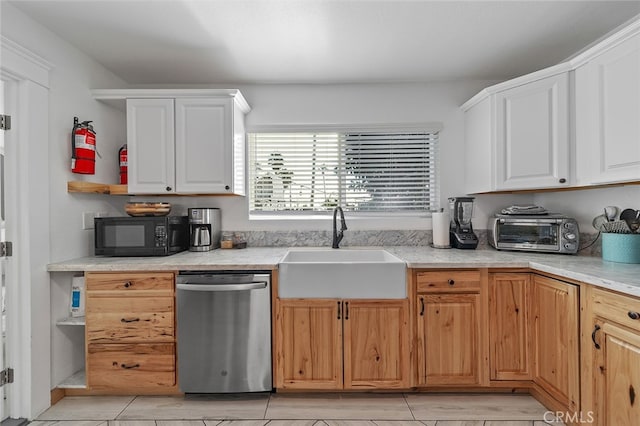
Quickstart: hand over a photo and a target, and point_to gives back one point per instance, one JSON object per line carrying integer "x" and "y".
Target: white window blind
{"x": 359, "y": 171}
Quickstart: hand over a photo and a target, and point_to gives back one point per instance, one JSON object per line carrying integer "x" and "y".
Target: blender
{"x": 460, "y": 230}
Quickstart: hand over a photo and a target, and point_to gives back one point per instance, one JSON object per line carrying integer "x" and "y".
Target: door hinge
{"x": 5, "y": 122}
{"x": 6, "y": 376}
{"x": 6, "y": 249}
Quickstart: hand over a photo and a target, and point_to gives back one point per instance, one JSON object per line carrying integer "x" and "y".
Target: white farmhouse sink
{"x": 342, "y": 273}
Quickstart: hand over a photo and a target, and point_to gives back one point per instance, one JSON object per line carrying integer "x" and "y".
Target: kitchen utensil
{"x": 632, "y": 217}
{"x": 598, "y": 222}
{"x": 611, "y": 212}
{"x": 617, "y": 227}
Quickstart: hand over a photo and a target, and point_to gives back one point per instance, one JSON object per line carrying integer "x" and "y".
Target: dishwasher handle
{"x": 257, "y": 285}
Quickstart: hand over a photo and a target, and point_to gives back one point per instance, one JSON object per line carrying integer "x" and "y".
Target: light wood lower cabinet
{"x": 449, "y": 341}
{"x": 611, "y": 354}
{"x": 557, "y": 359}
{"x": 510, "y": 326}
{"x": 308, "y": 339}
{"x": 130, "y": 332}
{"x": 376, "y": 344}
{"x": 336, "y": 344}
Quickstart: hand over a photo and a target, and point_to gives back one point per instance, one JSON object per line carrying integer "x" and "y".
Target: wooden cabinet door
{"x": 532, "y": 135}
{"x": 150, "y": 146}
{"x": 617, "y": 375}
{"x": 607, "y": 111}
{"x": 448, "y": 349}
{"x": 376, "y": 339}
{"x": 204, "y": 145}
{"x": 308, "y": 342}
{"x": 510, "y": 326}
{"x": 556, "y": 339}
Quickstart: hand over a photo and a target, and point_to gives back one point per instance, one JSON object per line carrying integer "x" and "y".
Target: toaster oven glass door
{"x": 529, "y": 234}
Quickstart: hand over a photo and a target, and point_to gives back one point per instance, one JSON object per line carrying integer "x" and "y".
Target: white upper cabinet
{"x": 608, "y": 115}
{"x": 150, "y": 146}
{"x": 518, "y": 137}
{"x": 188, "y": 141}
{"x": 574, "y": 124}
{"x": 204, "y": 148}
{"x": 532, "y": 135}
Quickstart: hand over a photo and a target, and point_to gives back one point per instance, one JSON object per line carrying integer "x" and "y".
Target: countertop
{"x": 621, "y": 277}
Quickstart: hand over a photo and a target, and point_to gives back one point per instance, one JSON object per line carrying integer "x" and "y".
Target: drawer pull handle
{"x": 128, "y": 284}
{"x": 128, "y": 367}
{"x": 129, "y": 320}
{"x": 339, "y": 309}
{"x": 634, "y": 315}
{"x": 346, "y": 310}
{"x": 451, "y": 282}
{"x": 593, "y": 336}
{"x": 422, "y": 306}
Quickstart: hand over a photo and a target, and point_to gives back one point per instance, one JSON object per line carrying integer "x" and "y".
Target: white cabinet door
{"x": 608, "y": 116}
{"x": 204, "y": 149}
{"x": 150, "y": 146}
{"x": 532, "y": 135}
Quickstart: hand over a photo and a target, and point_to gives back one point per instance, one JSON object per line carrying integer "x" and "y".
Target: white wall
{"x": 362, "y": 104}
{"x": 586, "y": 204}
{"x": 74, "y": 73}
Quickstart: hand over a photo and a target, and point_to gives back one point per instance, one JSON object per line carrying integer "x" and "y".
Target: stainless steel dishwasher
{"x": 224, "y": 332}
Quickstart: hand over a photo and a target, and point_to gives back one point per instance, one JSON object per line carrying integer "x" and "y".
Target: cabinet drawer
{"x": 129, "y": 283}
{"x": 445, "y": 281}
{"x": 128, "y": 366}
{"x": 624, "y": 310}
{"x": 129, "y": 319}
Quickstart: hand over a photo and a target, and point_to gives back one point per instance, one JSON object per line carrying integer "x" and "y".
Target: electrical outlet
{"x": 87, "y": 220}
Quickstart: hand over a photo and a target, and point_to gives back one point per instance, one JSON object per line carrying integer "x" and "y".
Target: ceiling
{"x": 322, "y": 41}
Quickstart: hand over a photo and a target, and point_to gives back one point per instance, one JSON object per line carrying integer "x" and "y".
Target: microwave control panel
{"x": 161, "y": 236}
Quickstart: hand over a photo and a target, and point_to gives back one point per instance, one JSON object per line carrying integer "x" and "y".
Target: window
{"x": 360, "y": 171}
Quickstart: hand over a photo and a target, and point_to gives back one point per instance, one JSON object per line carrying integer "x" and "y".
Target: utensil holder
{"x": 621, "y": 248}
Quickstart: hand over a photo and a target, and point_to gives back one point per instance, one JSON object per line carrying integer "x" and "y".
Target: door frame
{"x": 28, "y": 335}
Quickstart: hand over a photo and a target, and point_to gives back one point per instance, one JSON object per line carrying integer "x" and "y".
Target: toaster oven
{"x": 551, "y": 233}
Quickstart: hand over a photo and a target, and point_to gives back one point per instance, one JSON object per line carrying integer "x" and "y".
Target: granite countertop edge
{"x": 624, "y": 278}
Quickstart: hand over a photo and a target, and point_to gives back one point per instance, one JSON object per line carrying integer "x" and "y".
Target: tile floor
{"x": 298, "y": 410}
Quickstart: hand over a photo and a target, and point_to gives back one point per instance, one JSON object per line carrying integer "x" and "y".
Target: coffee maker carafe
{"x": 461, "y": 230}
{"x": 204, "y": 229}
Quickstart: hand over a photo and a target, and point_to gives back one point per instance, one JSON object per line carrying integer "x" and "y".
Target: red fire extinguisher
{"x": 83, "y": 147}
{"x": 122, "y": 154}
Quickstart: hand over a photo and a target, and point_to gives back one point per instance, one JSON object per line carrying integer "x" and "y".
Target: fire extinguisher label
{"x": 83, "y": 142}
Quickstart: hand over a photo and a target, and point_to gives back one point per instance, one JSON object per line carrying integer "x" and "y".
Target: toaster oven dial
{"x": 570, "y": 236}
{"x": 569, "y": 225}
{"x": 570, "y": 246}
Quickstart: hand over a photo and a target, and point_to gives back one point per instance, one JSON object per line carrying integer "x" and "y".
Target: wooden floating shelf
{"x": 97, "y": 188}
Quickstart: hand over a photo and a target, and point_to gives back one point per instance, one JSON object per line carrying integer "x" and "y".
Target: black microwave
{"x": 141, "y": 236}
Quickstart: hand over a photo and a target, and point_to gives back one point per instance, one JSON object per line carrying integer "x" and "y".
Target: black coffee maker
{"x": 460, "y": 230}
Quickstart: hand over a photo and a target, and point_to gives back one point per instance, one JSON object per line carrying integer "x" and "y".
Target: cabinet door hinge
{"x": 6, "y": 249}
{"x": 6, "y": 376}
{"x": 5, "y": 122}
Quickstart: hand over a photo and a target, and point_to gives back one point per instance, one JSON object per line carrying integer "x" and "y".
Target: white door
{"x": 608, "y": 116}
{"x": 532, "y": 145}
{"x": 150, "y": 146}
{"x": 4, "y": 402}
{"x": 204, "y": 145}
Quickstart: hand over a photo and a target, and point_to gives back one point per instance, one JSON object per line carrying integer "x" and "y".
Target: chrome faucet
{"x": 337, "y": 235}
